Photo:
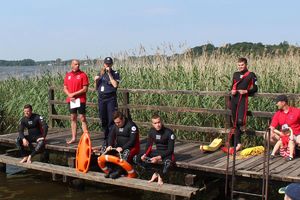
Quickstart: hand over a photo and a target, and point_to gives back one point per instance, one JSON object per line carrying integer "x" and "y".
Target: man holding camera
{"x": 106, "y": 83}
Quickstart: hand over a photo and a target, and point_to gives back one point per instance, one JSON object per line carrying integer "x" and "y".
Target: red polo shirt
{"x": 75, "y": 82}
{"x": 291, "y": 118}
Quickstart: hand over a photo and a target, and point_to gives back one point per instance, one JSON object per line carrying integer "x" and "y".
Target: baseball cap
{"x": 292, "y": 190}
{"x": 108, "y": 60}
{"x": 281, "y": 98}
{"x": 285, "y": 127}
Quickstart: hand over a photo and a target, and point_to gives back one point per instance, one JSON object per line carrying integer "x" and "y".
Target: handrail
{"x": 190, "y": 92}
{"x": 126, "y": 106}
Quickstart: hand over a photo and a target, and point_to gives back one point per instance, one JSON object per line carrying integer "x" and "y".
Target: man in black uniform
{"x": 124, "y": 136}
{"x": 37, "y": 131}
{"x": 159, "y": 148}
{"x": 244, "y": 84}
{"x": 106, "y": 83}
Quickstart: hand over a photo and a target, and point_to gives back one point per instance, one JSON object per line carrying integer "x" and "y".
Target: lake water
{"x": 25, "y": 71}
{"x": 31, "y": 185}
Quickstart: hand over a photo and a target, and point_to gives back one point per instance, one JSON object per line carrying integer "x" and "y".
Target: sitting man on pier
{"x": 124, "y": 136}
{"x": 37, "y": 131}
{"x": 159, "y": 148}
{"x": 285, "y": 115}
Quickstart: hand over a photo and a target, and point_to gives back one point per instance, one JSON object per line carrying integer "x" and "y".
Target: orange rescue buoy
{"x": 118, "y": 161}
{"x": 84, "y": 153}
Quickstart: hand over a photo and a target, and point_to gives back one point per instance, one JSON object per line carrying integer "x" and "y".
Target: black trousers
{"x": 34, "y": 150}
{"x": 106, "y": 108}
{"x": 168, "y": 162}
{"x": 239, "y": 108}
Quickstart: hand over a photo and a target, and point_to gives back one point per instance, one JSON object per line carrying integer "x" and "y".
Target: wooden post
{"x": 71, "y": 163}
{"x": 55, "y": 177}
{"x": 173, "y": 197}
{"x": 126, "y": 110}
{"x": 51, "y": 109}
{"x": 2, "y": 167}
{"x": 228, "y": 122}
{"x": 190, "y": 179}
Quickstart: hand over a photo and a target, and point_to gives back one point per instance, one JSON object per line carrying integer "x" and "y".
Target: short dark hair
{"x": 118, "y": 114}
{"x": 28, "y": 106}
{"x": 243, "y": 60}
{"x": 155, "y": 116}
{"x": 282, "y": 97}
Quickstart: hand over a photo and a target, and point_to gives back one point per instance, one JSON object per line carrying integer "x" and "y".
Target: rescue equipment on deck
{"x": 104, "y": 158}
{"x": 83, "y": 153}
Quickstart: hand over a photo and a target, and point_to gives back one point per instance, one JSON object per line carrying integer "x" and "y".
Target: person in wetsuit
{"x": 159, "y": 148}
{"x": 124, "y": 136}
{"x": 106, "y": 83}
{"x": 244, "y": 84}
{"x": 37, "y": 132}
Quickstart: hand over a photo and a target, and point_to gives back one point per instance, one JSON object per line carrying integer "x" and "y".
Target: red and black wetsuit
{"x": 159, "y": 143}
{"x": 244, "y": 80}
{"x": 37, "y": 128}
{"x": 126, "y": 137}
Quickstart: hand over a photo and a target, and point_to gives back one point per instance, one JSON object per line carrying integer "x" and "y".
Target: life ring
{"x": 84, "y": 153}
{"x": 118, "y": 161}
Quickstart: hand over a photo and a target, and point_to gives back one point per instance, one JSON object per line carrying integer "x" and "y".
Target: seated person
{"x": 285, "y": 144}
{"x": 124, "y": 136}
{"x": 37, "y": 131}
{"x": 159, "y": 148}
{"x": 292, "y": 191}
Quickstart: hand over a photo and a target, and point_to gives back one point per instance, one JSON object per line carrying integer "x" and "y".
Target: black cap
{"x": 281, "y": 98}
{"x": 108, "y": 60}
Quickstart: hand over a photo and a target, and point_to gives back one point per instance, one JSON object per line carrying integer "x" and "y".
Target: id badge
{"x": 102, "y": 89}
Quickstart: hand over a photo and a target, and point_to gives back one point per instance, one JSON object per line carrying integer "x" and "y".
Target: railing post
{"x": 51, "y": 109}
{"x": 227, "y": 117}
{"x": 126, "y": 110}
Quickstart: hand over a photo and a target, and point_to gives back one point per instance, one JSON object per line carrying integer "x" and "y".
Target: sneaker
{"x": 272, "y": 157}
{"x": 107, "y": 175}
{"x": 115, "y": 175}
{"x": 289, "y": 158}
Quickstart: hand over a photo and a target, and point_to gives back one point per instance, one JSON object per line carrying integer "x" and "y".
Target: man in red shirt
{"x": 76, "y": 85}
{"x": 286, "y": 115}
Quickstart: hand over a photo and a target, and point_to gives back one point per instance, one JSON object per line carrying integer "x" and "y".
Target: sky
{"x": 66, "y": 29}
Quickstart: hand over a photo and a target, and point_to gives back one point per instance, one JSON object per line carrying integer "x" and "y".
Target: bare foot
{"x": 71, "y": 141}
{"x": 24, "y": 159}
{"x": 154, "y": 177}
{"x": 160, "y": 180}
{"x": 29, "y": 160}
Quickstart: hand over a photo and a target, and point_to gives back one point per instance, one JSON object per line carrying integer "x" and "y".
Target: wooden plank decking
{"x": 176, "y": 190}
{"x": 187, "y": 155}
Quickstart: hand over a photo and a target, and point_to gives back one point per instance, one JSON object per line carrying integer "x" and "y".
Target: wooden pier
{"x": 189, "y": 158}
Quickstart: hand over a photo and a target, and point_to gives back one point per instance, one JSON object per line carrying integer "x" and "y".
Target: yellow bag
{"x": 213, "y": 146}
{"x": 251, "y": 151}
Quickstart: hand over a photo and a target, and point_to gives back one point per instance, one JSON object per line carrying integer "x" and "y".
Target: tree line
{"x": 242, "y": 48}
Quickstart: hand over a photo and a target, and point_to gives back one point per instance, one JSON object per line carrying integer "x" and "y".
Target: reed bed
{"x": 276, "y": 74}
